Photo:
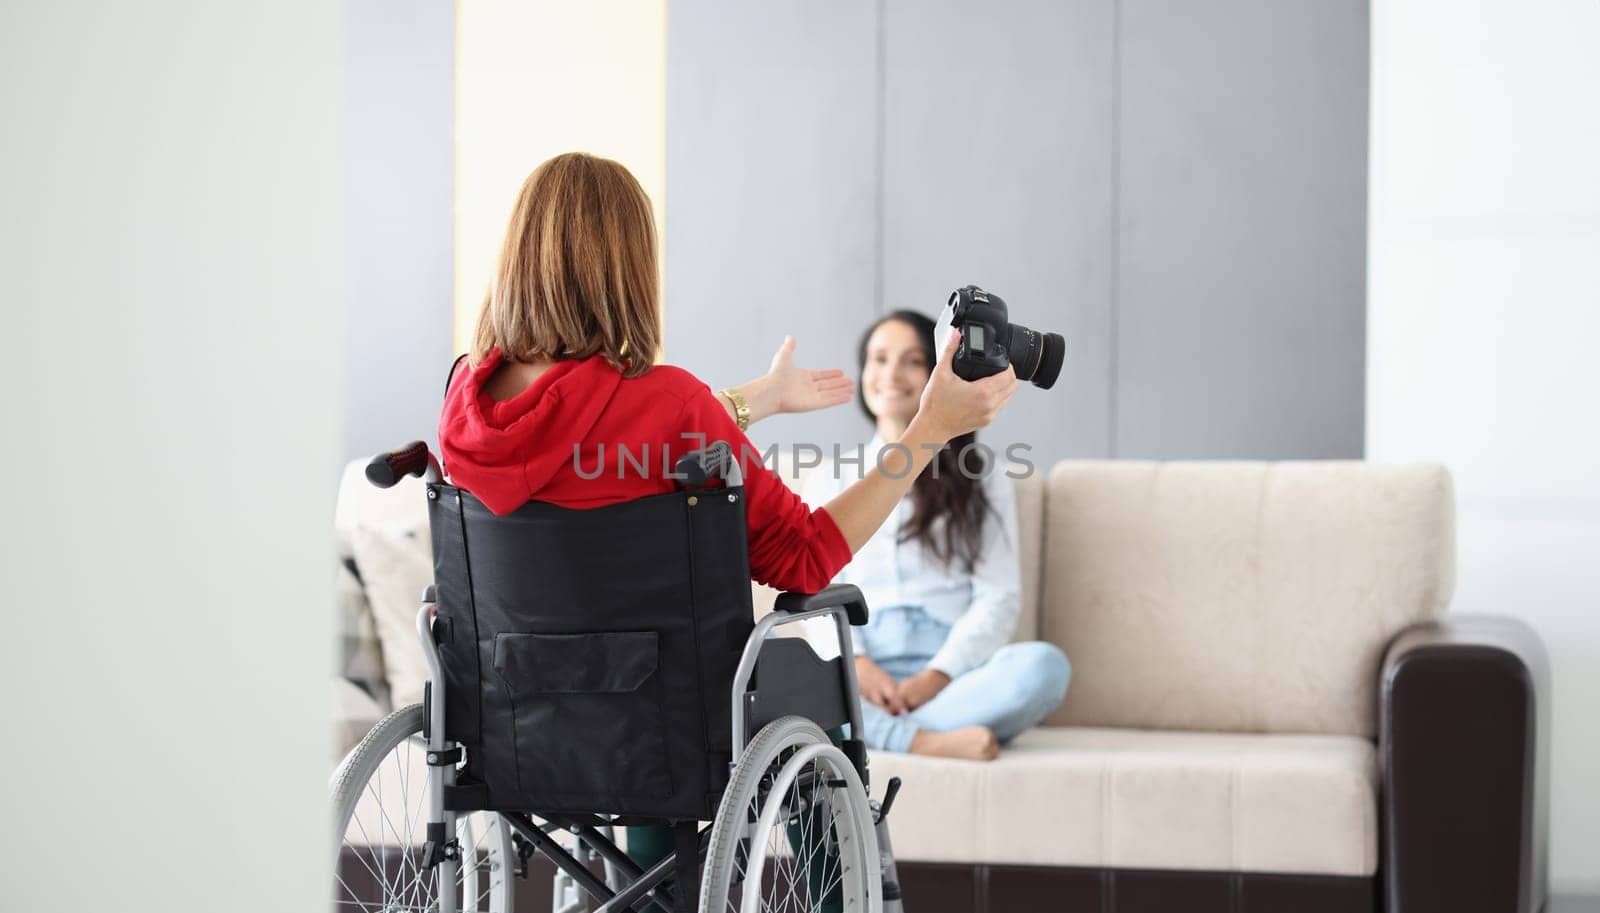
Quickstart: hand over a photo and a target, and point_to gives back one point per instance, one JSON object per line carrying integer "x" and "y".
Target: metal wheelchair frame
{"x": 626, "y": 884}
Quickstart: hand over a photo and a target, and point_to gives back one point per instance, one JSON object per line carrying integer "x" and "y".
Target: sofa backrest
{"x": 1030, "y": 493}
{"x": 1211, "y": 596}
{"x": 1254, "y": 597}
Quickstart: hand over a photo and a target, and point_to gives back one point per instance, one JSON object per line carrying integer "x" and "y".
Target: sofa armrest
{"x": 1464, "y": 730}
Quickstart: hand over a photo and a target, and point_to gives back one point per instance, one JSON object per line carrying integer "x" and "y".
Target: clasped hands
{"x": 899, "y": 697}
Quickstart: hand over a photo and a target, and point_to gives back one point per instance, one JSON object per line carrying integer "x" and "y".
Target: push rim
{"x": 795, "y": 819}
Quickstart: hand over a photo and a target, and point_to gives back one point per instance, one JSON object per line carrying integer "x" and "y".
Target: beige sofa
{"x": 1229, "y": 741}
{"x": 1225, "y": 624}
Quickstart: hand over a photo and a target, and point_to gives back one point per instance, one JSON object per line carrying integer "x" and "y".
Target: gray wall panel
{"x": 998, "y": 171}
{"x": 397, "y": 198}
{"x": 1178, "y": 189}
{"x": 771, "y": 189}
{"x": 1241, "y": 294}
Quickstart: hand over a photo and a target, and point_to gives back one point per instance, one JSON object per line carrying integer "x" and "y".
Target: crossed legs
{"x": 1016, "y": 689}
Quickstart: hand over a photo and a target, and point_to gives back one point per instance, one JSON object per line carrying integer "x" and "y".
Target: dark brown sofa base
{"x": 958, "y": 888}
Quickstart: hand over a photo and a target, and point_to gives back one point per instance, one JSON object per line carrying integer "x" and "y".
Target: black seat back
{"x": 587, "y": 654}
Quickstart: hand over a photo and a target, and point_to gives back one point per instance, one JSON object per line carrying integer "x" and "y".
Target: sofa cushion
{"x": 396, "y": 565}
{"x": 354, "y": 715}
{"x": 1303, "y": 804}
{"x": 1255, "y": 597}
{"x": 360, "y": 503}
{"x": 359, "y": 656}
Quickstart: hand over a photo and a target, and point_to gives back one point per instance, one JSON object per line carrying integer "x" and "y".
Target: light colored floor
{"x": 1568, "y": 903}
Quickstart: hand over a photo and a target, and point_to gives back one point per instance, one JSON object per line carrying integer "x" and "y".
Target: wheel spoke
{"x": 808, "y": 854}
{"x": 805, "y": 857}
{"x": 356, "y": 853}
{"x": 380, "y": 773}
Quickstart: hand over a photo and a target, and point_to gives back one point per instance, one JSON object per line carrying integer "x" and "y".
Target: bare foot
{"x": 974, "y": 743}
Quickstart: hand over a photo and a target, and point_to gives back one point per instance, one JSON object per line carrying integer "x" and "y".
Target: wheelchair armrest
{"x": 839, "y": 600}
{"x": 839, "y": 595}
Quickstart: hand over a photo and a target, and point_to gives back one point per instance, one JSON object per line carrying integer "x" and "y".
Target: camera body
{"x": 990, "y": 341}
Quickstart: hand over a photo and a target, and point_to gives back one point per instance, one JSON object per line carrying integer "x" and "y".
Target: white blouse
{"x": 980, "y": 607}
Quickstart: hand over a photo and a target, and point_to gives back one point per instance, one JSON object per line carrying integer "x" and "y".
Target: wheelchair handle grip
{"x": 713, "y": 461}
{"x": 413, "y": 459}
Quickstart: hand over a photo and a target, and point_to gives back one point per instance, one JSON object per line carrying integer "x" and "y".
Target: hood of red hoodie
{"x": 506, "y": 451}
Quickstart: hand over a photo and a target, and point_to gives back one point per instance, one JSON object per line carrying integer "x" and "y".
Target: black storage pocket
{"x": 587, "y": 715}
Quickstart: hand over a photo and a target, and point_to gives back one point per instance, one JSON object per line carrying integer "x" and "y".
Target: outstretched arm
{"x": 786, "y": 387}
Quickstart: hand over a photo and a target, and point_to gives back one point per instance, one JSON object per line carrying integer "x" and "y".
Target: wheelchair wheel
{"x": 380, "y": 801}
{"x": 794, "y": 830}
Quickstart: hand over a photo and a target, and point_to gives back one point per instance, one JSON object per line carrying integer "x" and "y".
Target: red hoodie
{"x": 522, "y": 449}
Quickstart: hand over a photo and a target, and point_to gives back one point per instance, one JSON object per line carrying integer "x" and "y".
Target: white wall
{"x": 535, "y": 78}
{"x": 397, "y": 196}
{"x": 167, "y": 252}
{"x": 1484, "y": 328}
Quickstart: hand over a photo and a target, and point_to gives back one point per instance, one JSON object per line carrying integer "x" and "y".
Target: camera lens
{"x": 1052, "y": 356}
{"x": 1036, "y": 357}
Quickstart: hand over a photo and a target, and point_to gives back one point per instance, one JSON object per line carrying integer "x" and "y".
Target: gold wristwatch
{"x": 741, "y": 409}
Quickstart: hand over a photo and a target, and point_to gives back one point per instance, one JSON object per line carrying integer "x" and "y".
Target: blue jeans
{"x": 1015, "y": 689}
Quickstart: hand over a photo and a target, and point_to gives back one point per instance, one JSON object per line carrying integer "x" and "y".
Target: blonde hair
{"x": 577, "y": 274}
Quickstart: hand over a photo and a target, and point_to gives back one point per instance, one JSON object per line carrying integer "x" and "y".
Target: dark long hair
{"x": 942, "y": 490}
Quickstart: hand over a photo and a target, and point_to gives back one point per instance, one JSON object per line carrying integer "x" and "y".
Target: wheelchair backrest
{"x": 587, "y": 654}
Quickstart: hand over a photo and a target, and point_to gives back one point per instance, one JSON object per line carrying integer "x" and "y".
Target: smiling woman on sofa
{"x": 563, "y": 373}
{"x": 936, "y": 672}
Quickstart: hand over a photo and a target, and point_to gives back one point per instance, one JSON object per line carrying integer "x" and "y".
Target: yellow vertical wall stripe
{"x": 535, "y": 78}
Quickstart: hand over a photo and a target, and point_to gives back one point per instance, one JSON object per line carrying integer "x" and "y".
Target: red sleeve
{"x": 792, "y": 547}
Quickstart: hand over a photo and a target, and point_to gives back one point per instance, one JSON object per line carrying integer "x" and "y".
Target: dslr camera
{"x": 989, "y": 341}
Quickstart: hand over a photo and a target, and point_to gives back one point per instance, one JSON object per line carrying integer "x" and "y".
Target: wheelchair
{"x": 600, "y": 668}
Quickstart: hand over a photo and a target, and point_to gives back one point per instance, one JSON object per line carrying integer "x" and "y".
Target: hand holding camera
{"x": 953, "y": 406}
{"x": 990, "y": 341}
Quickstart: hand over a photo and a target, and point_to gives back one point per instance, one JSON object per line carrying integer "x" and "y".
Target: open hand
{"x": 798, "y": 389}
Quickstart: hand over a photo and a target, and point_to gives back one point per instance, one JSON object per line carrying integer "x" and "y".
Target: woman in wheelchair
{"x": 936, "y": 673}
{"x": 560, "y": 402}
{"x": 562, "y": 377}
